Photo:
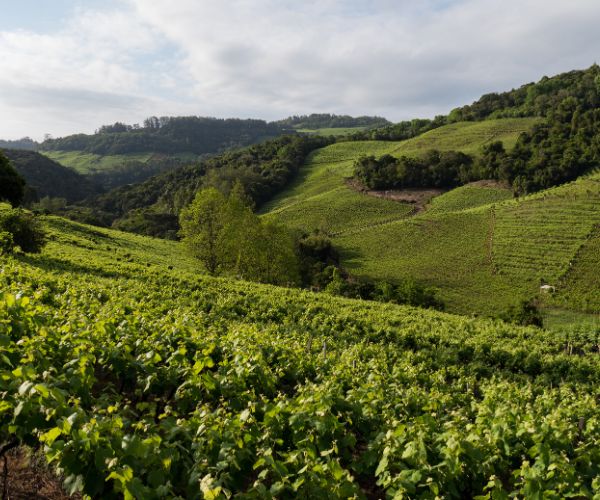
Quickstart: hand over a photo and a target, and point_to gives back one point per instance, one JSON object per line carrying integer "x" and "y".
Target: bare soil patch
{"x": 417, "y": 197}
{"x": 490, "y": 183}
{"x": 25, "y": 475}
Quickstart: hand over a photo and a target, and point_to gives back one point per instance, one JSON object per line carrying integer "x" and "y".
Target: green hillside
{"x": 337, "y": 131}
{"x": 140, "y": 378}
{"x": 89, "y": 163}
{"x": 483, "y": 259}
{"x": 320, "y": 185}
{"x": 483, "y": 249}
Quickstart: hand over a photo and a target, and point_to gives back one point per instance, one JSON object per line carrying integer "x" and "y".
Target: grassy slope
{"x": 320, "y": 185}
{"x": 483, "y": 249}
{"x": 339, "y": 131}
{"x": 484, "y": 258}
{"x": 88, "y": 163}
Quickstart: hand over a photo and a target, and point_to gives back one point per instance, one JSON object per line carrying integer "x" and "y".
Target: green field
{"x": 89, "y": 163}
{"x": 480, "y": 247}
{"x": 336, "y": 131}
{"x": 140, "y": 378}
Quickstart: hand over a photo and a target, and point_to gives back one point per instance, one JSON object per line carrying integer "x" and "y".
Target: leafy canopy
{"x": 228, "y": 238}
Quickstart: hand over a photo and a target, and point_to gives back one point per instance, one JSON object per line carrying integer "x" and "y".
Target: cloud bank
{"x": 272, "y": 58}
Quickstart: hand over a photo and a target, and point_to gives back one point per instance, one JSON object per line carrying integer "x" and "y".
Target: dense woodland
{"x": 326, "y": 120}
{"x": 25, "y": 143}
{"x": 193, "y": 134}
{"x": 563, "y": 146}
{"x": 434, "y": 170}
{"x": 12, "y": 184}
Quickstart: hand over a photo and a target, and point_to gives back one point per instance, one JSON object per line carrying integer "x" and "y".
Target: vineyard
{"x": 139, "y": 378}
{"x": 480, "y": 247}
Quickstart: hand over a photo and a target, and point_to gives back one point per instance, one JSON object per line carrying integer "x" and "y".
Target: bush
{"x": 526, "y": 313}
{"x": 22, "y": 229}
{"x": 6, "y": 242}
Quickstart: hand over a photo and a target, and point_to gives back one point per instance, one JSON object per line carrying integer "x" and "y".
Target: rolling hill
{"x": 320, "y": 186}
{"x": 139, "y": 377}
{"x": 483, "y": 249}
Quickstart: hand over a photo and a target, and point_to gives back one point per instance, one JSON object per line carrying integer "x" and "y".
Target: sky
{"x": 69, "y": 66}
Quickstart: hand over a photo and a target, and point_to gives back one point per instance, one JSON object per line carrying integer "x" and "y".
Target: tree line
{"x": 434, "y": 169}
{"x": 327, "y": 120}
{"x": 193, "y": 134}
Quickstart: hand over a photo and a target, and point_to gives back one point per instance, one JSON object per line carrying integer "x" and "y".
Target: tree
{"x": 227, "y": 237}
{"x": 12, "y": 185}
{"x": 202, "y": 224}
{"x": 526, "y": 313}
{"x": 22, "y": 229}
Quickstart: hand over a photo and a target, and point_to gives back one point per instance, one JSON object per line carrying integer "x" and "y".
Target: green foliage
{"x": 150, "y": 382}
{"x": 12, "y": 185}
{"x": 263, "y": 170}
{"x": 525, "y": 313}
{"x": 434, "y": 169}
{"x": 534, "y": 99}
{"x": 22, "y": 229}
{"x": 25, "y": 143}
{"x": 403, "y": 130}
{"x": 328, "y": 121}
{"x": 203, "y": 225}
{"x": 7, "y": 242}
{"x": 225, "y": 235}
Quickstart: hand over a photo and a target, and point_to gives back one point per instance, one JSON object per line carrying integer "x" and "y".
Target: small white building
{"x": 547, "y": 289}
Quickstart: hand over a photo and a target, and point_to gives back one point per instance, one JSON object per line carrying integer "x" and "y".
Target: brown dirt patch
{"x": 30, "y": 478}
{"x": 490, "y": 183}
{"x": 417, "y": 197}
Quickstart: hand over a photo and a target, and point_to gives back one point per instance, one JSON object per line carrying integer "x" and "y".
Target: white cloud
{"x": 272, "y": 58}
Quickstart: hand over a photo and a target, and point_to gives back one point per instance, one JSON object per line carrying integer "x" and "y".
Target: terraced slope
{"x": 88, "y": 163}
{"x": 319, "y": 198}
{"x": 579, "y": 287}
{"x": 470, "y": 196}
{"x": 483, "y": 249}
{"x": 537, "y": 239}
{"x": 485, "y": 258}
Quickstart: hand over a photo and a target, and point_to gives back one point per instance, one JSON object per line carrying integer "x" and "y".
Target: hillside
{"x": 49, "y": 178}
{"x": 262, "y": 169}
{"x": 141, "y": 378}
{"x": 481, "y": 248}
{"x": 113, "y": 171}
{"x": 319, "y": 197}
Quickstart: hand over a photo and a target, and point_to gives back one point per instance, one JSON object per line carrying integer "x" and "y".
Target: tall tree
{"x": 202, "y": 224}
{"x": 227, "y": 237}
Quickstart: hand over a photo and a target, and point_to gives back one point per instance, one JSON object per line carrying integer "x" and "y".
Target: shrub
{"x": 525, "y": 313}
{"x": 6, "y": 242}
{"x": 22, "y": 229}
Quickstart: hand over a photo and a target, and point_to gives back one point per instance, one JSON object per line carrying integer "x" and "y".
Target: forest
{"x": 193, "y": 134}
